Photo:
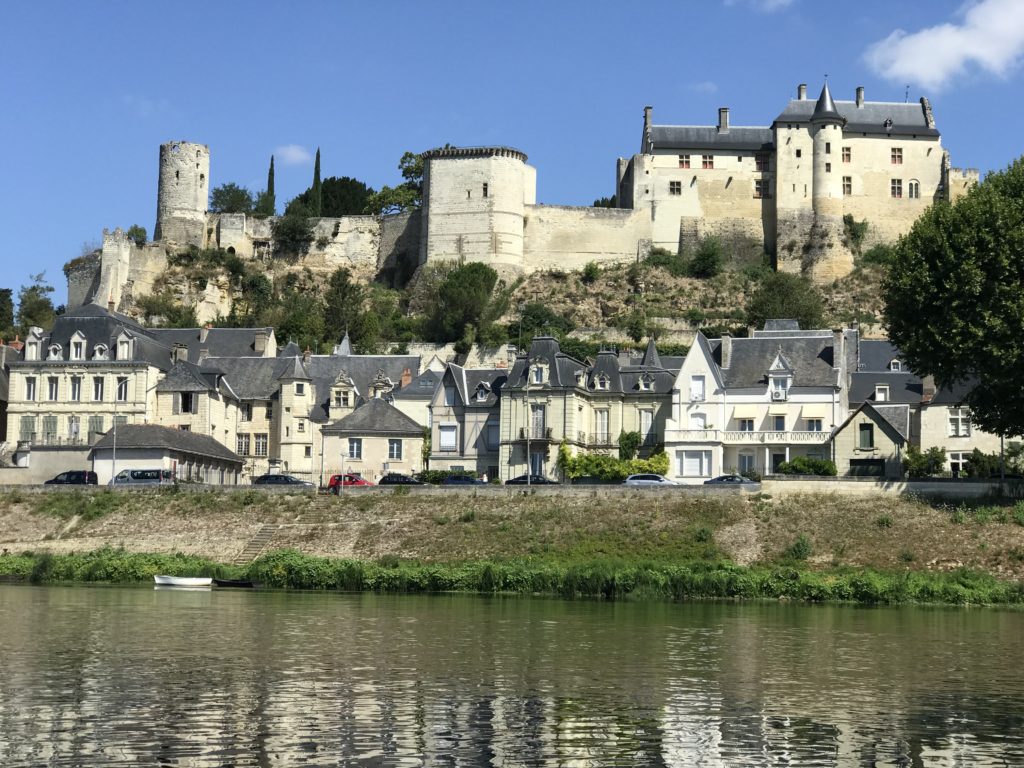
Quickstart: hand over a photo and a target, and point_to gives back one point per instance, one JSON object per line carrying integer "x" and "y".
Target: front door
{"x": 536, "y": 463}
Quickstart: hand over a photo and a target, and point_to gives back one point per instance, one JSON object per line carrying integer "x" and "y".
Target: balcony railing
{"x": 740, "y": 437}
{"x": 47, "y": 438}
{"x": 536, "y": 432}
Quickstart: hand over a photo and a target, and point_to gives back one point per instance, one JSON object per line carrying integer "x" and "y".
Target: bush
{"x": 804, "y": 465}
{"x": 137, "y": 234}
{"x": 800, "y": 549}
{"x": 672, "y": 263}
{"x": 855, "y": 231}
{"x": 293, "y": 233}
{"x": 881, "y": 255}
{"x": 782, "y": 295}
{"x": 629, "y": 444}
{"x": 928, "y": 463}
{"x": 707, "y": 259}
{"x": 590, "y": 273}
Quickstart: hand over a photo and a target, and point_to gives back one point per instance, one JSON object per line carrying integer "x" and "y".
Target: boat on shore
{"x": 237, "y": 583}
{"x": 183, "y": 581}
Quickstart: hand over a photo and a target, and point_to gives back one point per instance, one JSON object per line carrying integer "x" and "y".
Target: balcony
{"x": 537, "y": 432}
{"x": 738, "y": 437}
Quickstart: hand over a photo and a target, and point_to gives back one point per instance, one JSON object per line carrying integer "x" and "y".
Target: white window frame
{"x": 394, "y": 449}
{"x": 447, "y": 437}
{"x": 30, "y": 388}
{"x": 958, "y": 423}
{"x": 355, "y": 448}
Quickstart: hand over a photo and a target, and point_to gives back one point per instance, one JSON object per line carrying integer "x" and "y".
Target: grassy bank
{"x": 608, "y": 578}
{"x": 626, "y": 543}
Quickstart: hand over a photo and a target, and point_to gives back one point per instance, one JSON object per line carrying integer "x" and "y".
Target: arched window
{"x": 914, "y": 188}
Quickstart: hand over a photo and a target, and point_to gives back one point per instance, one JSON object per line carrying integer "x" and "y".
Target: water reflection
{"x": 107, "y": 676}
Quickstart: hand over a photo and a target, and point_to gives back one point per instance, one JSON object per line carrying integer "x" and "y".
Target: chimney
{"x": 203, "y": 354}
{"x": 838, "y": 347}
{"x": 204, "y": 332}
{"x": 259, "y": 343}
{"x": 801, "y": 91}
{"x": 17, "y": 344}
{"x": 726, "y": 350}
{"x": 179, "y": 353}
{"x": 406, "y": 379}
{"x": 927, "y": 388}
{"x": 647, "y": 118}
{"x": 306, "y": 354}
{"x": 723, "y": 119}
{"x": 860, "y": 96}
{"x": 110, "y": 303}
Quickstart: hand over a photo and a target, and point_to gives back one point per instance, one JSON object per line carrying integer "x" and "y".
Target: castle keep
{"x": 782, "y": 189}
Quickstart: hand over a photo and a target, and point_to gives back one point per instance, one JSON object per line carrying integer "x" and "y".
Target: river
{"x": 110, "y": 676}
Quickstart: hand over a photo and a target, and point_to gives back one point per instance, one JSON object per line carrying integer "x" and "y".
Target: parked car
{"x": 395, "y": 478}
{"x": 128, "y": 477}
{"x": 278, "y": 481}
{"x": 731, "y": 480}
{"x": 461, "y": 480}
{"x": 336, "y": 482}
{"x": 647, "y": 480}
{"x": 74, "y": 477}
{"x": 534, "y": 480}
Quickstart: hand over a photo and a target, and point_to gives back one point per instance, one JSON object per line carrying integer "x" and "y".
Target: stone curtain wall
{"x": 567, "y": 238}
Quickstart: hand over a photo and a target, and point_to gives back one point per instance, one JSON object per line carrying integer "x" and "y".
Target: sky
{"x": 91, "y": 89}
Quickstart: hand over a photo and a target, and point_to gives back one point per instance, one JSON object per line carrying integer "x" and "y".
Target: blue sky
{"x": 91, "y": 89}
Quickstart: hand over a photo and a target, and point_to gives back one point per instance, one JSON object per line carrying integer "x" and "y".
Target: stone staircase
{"x": 256, "y": 544}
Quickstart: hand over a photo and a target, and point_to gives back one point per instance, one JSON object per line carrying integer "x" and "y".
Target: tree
{"x": 538, "y": 319}
{"x": 406, "y": 196}
{"x": 954, "y": 298}
{"x": 293, "y": 233}
{"x": 918, "y": 463}
{"x": 266, "y": 203}
{"x": 343, "y": 307}
{"x": 461, "y": 300}
{"x": 629, "y": 444}
{"x": 605, "y": 202}
{"x": 339, "y": 196}
{"x": 316, "y": 198}
{"x": 35, "y": 308}
{"x": 784, "y": 295}
{"x": 231, "y": 198}
{"x": 137, "y": 234}
{"x": 707, "y": 259}
{"x": 6, "y": 313}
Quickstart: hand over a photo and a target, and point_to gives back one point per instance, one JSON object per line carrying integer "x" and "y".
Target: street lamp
{"x": 529, "y": 465}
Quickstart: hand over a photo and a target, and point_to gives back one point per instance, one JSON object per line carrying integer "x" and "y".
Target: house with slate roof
{"x": 551, "y": 398}
{"x": 190, "y": 456}
{"x": 749, "y": 404}
{"x": 873, "y": 440}
{"x": 372, "y": 440}
{"x": 465, "y": 428}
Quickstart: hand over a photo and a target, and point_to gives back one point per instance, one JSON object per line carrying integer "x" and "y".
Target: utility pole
{"x": 529, "y": 423}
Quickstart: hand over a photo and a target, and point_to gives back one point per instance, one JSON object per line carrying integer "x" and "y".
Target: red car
{"x": 337, "y": 481}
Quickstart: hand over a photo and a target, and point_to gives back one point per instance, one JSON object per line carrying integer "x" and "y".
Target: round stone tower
{"x": 182, "y": 193}
{"x": 474, "y": 202}
{"x": 827, "y": 257}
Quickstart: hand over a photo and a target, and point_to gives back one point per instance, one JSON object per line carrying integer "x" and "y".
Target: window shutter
{"x": 176, "y": 400}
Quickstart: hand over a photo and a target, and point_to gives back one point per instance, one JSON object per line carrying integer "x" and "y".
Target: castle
{"x": 782, "y": 189}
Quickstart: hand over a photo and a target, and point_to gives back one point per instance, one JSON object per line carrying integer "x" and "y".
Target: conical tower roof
{"x": 651, "y": 358}
{"x": 825, "y": 110}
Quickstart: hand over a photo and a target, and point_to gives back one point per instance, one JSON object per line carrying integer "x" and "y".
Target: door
{"x": 536, "y": 463}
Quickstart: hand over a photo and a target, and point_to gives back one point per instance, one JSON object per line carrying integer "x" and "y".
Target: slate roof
{"x": 220, "y": 342}
{"x": 908, "y": 118}
{"x": 375, "y": 417}
{"x": 131, "y": 436}
{"x": 825, "y": 107}
{"x": 561, "y": 368}
{"x": 809, "y": 355}
{"x": 903, "y": 387}
{"x": 187, "y": 377}
{"x": 876, "y": 354}
{"x": 955, "y": 395}
{"x": 362, "y": 369}
{"x": 780, "y": 324}
{"x": 251, "y": 378}
{"x": 709, "y": 137}
{"x": 467, "y": 380}
{"x": 421, "y": 387}
{"x": 896, "y": 414}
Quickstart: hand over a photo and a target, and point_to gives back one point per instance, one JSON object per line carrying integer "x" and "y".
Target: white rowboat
{"x": 183, "y": 581}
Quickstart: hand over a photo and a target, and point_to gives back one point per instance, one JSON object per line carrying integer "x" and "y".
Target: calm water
{"x": 118, "y": 676}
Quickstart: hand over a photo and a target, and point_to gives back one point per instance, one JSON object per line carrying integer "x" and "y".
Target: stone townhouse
{"x": 551, "y": 398}
{"x": 945, "y": 422}
{"x": 749, "y": 404}
{"x": 465, "y": 430}
{"x": 374, "y": 439}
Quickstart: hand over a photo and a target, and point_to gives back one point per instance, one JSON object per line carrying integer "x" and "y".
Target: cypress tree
{"x": 266, "y": 205}
{"x": 317, "y": 201}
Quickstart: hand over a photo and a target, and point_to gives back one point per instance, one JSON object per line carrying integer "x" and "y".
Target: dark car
{"x": 461, "y": 480}
{"x": 534, "y": 480}
{"x": 279, "y": 481}
{"x": 335, "y": 484}
{"x": 731, "y": 480}
{"x": 394, "y": 478}
{"x": 74, "y": 477}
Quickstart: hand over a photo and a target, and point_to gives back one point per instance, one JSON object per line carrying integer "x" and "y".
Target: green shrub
{"x": 673, "y": 263}
{"x": 707, "y": 259}
{"x": 803, "y": 465}
{"x": 919, "y": 464}
{"x": 800, "y": 549}
{"x": 884, "y": 521}
{"x": 590, "y": 273}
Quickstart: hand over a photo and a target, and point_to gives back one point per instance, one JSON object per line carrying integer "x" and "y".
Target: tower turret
{"x": 182, "y": 193}
{"x": 827, "y": 135}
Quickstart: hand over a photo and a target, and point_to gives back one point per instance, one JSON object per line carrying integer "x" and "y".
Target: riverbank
{"x": 621, "y": 543}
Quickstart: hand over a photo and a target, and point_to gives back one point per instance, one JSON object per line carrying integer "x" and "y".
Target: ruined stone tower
{"x": 182, "y": 193}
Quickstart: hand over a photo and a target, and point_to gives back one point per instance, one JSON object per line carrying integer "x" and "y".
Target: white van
{"x": 127, "y": 477}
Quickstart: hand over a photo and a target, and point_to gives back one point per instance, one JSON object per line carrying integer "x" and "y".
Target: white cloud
{"x": 293, "y": 154}
{"x": 989, "y": 35}
{"x": 764, "y": 6}
{"x": 704, "y": 86}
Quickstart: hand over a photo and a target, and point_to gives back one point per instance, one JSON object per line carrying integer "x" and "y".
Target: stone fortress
{"x": 781, "y": 189}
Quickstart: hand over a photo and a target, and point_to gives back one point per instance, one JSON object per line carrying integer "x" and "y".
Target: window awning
{"x": 816, "y": 411}
{"x": 745, "y": 411}
{"x": 778, "y": 410}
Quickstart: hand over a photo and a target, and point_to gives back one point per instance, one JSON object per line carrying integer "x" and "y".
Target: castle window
{"x": 914, "y": 189}
{"x": 762, "y": 162}
{"x": 260, "y": 443}
{"x": 896, "y": 188}
{"x": 242, "y": 444}
{"x": 896, "y": 156}
{"x": 707, "y": 161}
{"x": 828, "y": 167}
{"x": 799, "y": 153}
{"x": 485, "y": 189}
{"x": 675, "y": 187}
{"x": 300, "y": 388}
{"x": 684, "y": 161}
{"x": 828, "y": 148}
{"x": 202, "y": 178}
{"x": 177, "y": 175}
{"x": 846, "y": 154}
{"x": 761, "y": 189}
{"x": 469, "y": 194}
{"x": 847, "y": 186}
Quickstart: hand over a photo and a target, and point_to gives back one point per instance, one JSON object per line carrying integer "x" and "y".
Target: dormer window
{"x": 32, "y": 350}
{"x": 340, "y": 399}
{"x": 99, "y": 352}
{"x": 895, "y": 365}
{"x": 481, "y": 393}
{"x": 780, "y": 387}
{"x": 538, "y": 374}
{"x": 881, "y": 393}
{"x": 646, "y": 383}
{"x": 581, "y": 378}
{"x": 78, "y": 346}
{"x": 601, "y": 382}
{"x": 53, "y": 352}
{"x": 124, "y": 349}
